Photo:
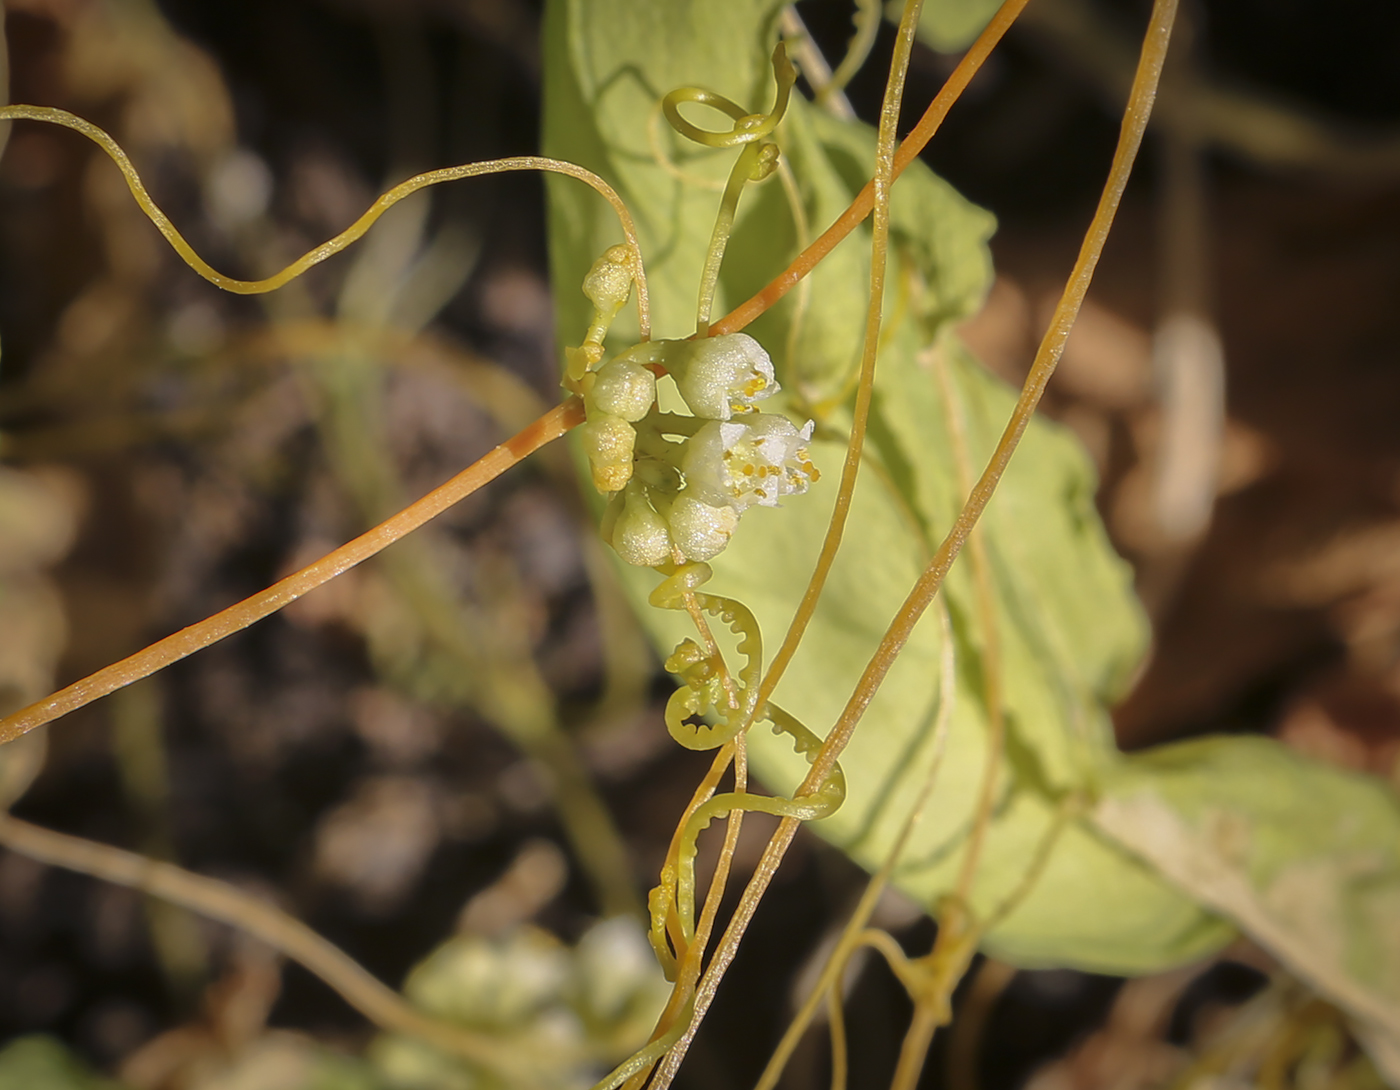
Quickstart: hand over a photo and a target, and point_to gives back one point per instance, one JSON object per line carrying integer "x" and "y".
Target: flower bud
{"x": 622, "y": 388}
{"x": 699, "y": 530}
{"x": 719, "y": 376}
{"x": 609, "y": 281}
{"x": 639, "y": 535}
{"x": 608, "y": 442}
{"x": 607, "y": 286}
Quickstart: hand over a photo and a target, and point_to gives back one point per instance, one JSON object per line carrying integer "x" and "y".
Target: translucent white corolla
{"x": 756, "y": 458}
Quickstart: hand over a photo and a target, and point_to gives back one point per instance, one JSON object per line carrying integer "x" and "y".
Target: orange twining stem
{"x": 159, "y": 655}
{"x": 861, "y": 207}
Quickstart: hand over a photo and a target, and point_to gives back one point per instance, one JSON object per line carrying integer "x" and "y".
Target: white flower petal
{"x": 756, "y": 461}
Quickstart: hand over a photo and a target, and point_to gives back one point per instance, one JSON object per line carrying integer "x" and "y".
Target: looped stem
{"x": 747, "y": 127}
{"x": 672, "y": 903}
{"x": 701, "y": 673}
{"x": 757, "y": 161}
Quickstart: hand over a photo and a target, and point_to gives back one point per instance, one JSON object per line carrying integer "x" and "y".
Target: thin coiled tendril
{"x": 706, "y": 685}
{"x": 823, "y": 803}
{"x": 757, "y": 161}
{"x": 747, "y": 127}
{"x": 701, "y": 676}
{"x": 671, "y": 904}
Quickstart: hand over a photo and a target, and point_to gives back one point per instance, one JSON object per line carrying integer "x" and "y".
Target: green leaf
{"x": 1303, "y": 857}
{"x": 951, "y": 25}
{"x": 1070, "y": 628}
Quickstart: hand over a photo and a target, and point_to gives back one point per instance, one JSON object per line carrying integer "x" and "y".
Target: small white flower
{"x": 721, "y": 376}
{"x": 755, "y": 459}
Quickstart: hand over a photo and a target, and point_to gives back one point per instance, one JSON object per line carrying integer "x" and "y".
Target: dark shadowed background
{"x": 204, "y": 445}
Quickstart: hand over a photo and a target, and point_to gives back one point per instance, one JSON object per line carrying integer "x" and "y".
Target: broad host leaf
{"x": 1304, "y": 858}
{"x": 951, "y": 27}
{"x": 1069, "y": 626}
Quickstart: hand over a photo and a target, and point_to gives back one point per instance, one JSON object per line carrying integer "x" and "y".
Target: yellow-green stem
{"x": 741, "y": 173}
{"x": 829, "y": 981}
{"x": 333, "y": 246}
{"x": 227, "y": 904}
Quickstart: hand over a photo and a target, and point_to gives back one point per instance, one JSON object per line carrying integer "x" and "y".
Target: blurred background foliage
{"x": 463, "y": 742}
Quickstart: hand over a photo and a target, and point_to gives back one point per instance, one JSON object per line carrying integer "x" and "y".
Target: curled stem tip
{"x": 757, "y": 161}
{"x": 747, "y": 128}
{"x": 909, "y": 149}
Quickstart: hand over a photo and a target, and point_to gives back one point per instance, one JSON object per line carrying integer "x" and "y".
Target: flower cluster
{"x": 679, "y": 483}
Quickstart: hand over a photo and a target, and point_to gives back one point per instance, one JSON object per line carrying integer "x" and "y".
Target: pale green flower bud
{"x": 640, "y": 535}
{"x": 719, "y": 376}
{"x": 699, "y": 530}
{"x": 607, "y": 286}
{"x": 609, "y": 281}
{"x": 754, "y": 459}
{"x": 608, "y": 441}
{"x": 622, "y": 388}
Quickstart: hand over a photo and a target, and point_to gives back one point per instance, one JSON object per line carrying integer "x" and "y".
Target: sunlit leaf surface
{"x": 1070, "y": 628}
{"x": 950, "y": 27}
{"x": 1303, "y": 857}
